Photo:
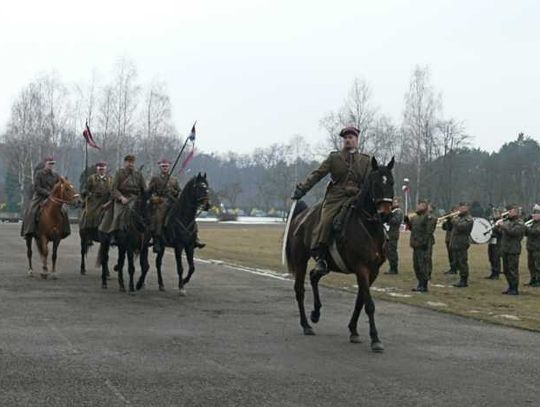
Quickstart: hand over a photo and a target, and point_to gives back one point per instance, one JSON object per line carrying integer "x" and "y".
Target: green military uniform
{"x": 432, "y": 225}
{"x": 460, "y": 243}
{"x": 129, "y": 184}
{"x": 447, "y": 227}
{"x": 348, "y": 172}
{"x": 420, "y": 240}
{"x": 512, "y": 231}
{"x": 97, "y": 193}
{"x": 394, "y": 225}
{"x": 44, "y": 181}
{"x": 161, "y": 197}
{"x": 533, "y": 252}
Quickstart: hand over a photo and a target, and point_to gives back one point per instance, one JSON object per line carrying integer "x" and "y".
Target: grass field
{"x": 259, "y": 246}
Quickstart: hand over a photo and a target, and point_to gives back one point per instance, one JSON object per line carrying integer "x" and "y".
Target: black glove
{"x": 298, "y": 193}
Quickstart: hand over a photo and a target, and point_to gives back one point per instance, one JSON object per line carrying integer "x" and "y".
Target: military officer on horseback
{"x": 44, "y": 181}
{"x": 128, "y": 186}
{"x": 96, "y": 194}
{"x": 163, "y": 190}
{"x": 348, "y": 169}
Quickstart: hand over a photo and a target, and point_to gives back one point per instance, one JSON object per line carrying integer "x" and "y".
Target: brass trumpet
{"x": 448, "y": 215}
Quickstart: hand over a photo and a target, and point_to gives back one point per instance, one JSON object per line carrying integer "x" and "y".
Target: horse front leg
{"x": 159, "y": 263}
{"x": 300, "y": 276}
{"x": 44, "y": 251}
{"x": 359, "y": 303}
{"x": 179, "y": 269}
{"x": 143, "y": 262}
{"x": 56, "y": 243}
{"x": 84, "y": 250}
{"x": 103, "y": 261}
{"x": 131, "y": 270}
{"x": 191, "y": 264}
{"x": 314, "y": 279}
{"x": 30, "y": 271}
{"x": 120, "y": 267}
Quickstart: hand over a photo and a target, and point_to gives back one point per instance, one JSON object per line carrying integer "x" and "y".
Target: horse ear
{"x": 374, "y": 164}
{"x": 204, "y": 176}
{"x": 391, "y": 163}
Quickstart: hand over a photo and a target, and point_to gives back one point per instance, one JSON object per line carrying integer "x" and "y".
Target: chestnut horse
{"x": 50, "y": 226}
{"x": 358, "y": 250}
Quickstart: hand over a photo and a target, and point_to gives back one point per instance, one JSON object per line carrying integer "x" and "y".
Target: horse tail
{"x": 300, "y": 207}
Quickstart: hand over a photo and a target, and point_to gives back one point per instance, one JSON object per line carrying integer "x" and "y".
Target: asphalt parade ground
{"x": 235, "y": 340}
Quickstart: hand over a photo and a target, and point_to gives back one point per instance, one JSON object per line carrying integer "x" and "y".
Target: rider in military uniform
{"x": 512, "y": 230}
{"x": 533, "y": 247}
{"x": 348, "y": 169}
{"x": 163, "y": 190}
{"x": 44, "y": 181}
{"x": 128, "y": 186}
{"x": 420, "y": 224}
{"x": 97, "y": 193}
{"x": 462, "y": 225}
{"x": 394, "y": 225}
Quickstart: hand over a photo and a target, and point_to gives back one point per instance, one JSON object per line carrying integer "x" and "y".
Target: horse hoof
{"x": 377, "y": 347}
{"x": 182, "y": 292}
{"x": 355, "y": 339}
{"x": 29, "y": 274}
{"x": 83, "y": 272}
{"x": 104, "y": 286}
{"x": 315, "y": 316}
{"x": 161, "y": 288}
{"x": 44, "y": 276}
{"x": 309, "y": 331}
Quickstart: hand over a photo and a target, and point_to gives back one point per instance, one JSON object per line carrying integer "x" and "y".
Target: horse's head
{"x": 380, "y": 183}
{"x": 64, "y": 192}
{"x": 198, "y": 186}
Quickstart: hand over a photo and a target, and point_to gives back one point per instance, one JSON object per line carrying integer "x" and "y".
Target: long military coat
{"x": 161, "y": 198}
{"x": 347, "y": 173}
{"x": 44, "y": 181}
{"x": 129, "y": 184}
{"x": 460, "y": 232}
{"x": 98, "y": 193}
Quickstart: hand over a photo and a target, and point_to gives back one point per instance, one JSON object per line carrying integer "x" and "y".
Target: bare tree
{"x": 420, "y": 118}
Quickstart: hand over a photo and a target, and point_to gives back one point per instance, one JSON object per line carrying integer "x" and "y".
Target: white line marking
{"x": 116, "y": 392}
{"x": 70, "y": 345}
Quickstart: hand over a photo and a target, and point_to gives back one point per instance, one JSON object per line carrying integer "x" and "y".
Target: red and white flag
{"x": 87, "y": 134}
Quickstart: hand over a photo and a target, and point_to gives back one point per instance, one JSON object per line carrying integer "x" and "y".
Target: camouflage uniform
{"x": 533, "y": 252}
{"x": 459, "y": 244}
{"x": 512, "y": 231}
{"x": 432, "y": 225}
{"x": 44, "y": 181}
{"x": 494, "y": 252}
{"x": 97, "y": 193}
{"x": 394, "y": 224}
{"x": 161, "y": 197}
{"x": 129, "y": 184}
{"x": 348, "y": 172}
{"x": 420, "y": 240}
{"x": 447, "y": 227}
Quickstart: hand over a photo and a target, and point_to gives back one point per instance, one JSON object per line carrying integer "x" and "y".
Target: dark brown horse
{"x": 50, "y": 226}
{"x": 358, "y": 250}
{"x": 180, "y": 230}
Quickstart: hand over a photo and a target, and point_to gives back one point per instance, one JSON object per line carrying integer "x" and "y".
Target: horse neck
{"x": 186, "y": 207}
{"x": 364, "y": 202}
{"x": 56, "y": 200}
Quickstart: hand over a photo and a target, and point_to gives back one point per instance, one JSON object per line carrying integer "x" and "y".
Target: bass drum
{"x": 481, "y": 231}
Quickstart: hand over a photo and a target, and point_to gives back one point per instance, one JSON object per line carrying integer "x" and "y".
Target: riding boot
{"x": 198, "y": 244}
{"x": 512, "y": 290}
{"x": 461, "y": 283}
{"x": 320, "y": 255}
{"x": 421, "y": 287}
{"x": 391, "y": 271}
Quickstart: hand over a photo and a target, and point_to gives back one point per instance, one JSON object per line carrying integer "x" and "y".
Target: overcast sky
{"x": 256, "y": 72}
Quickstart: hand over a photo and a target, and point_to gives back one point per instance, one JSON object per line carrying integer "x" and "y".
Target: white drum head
{"x": 481, "y": 231}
